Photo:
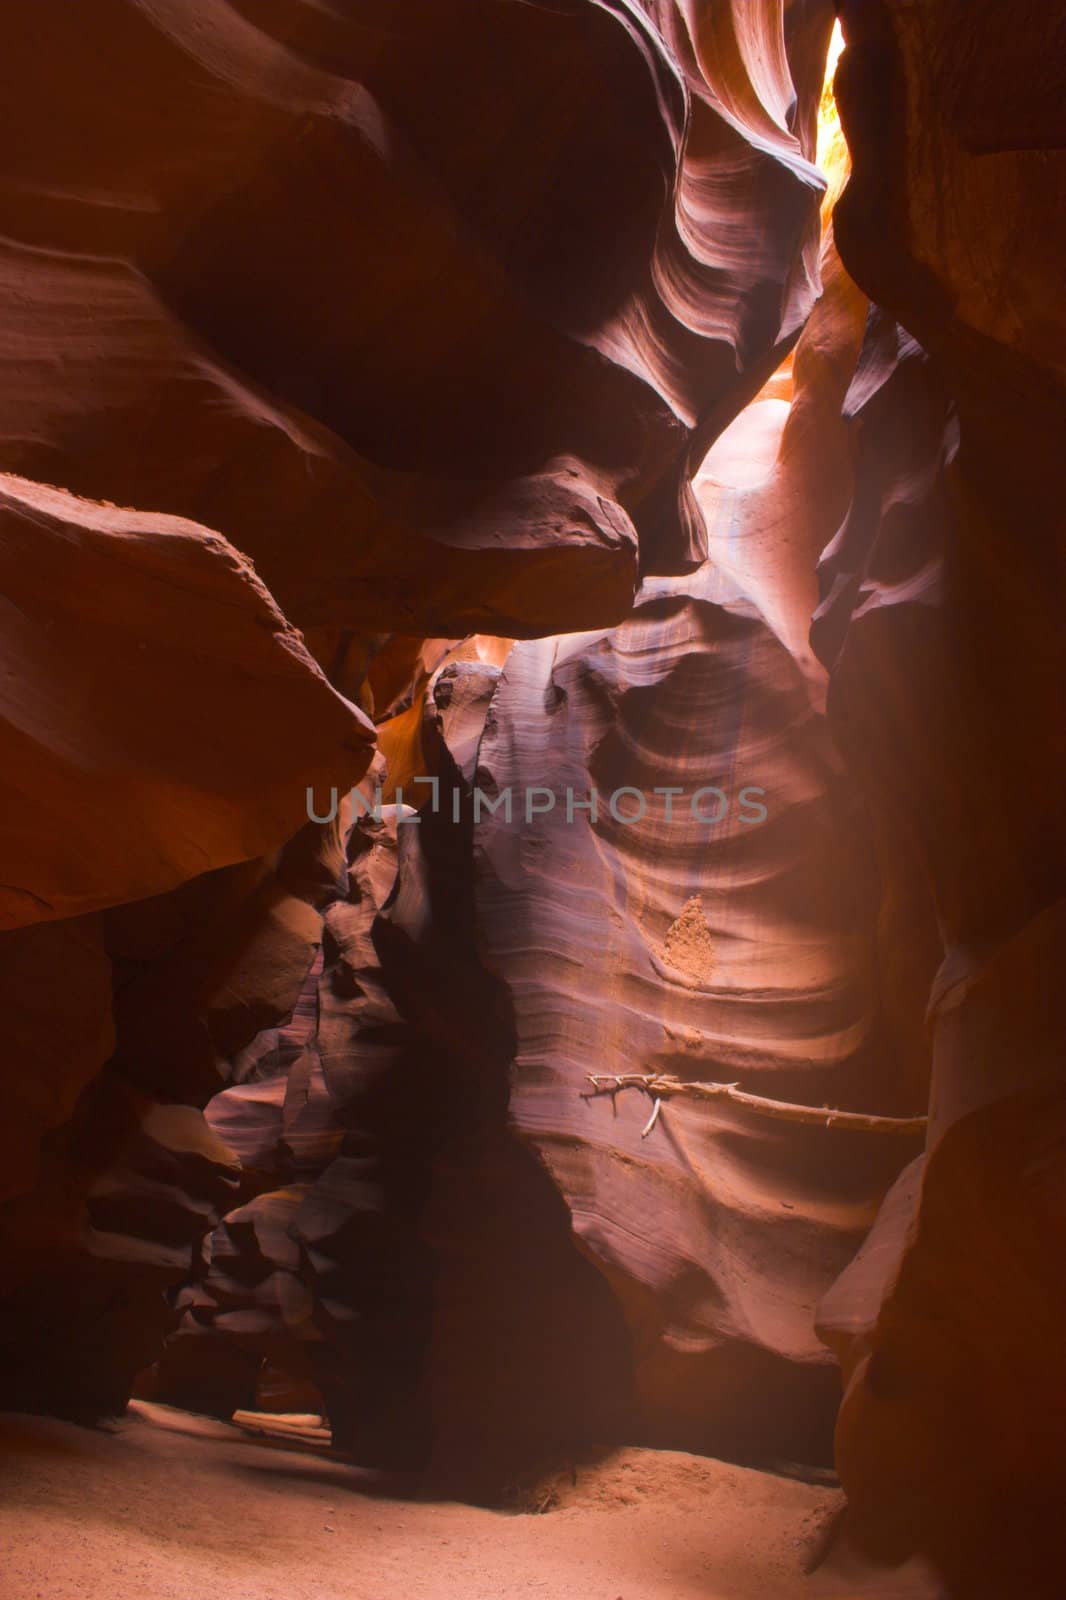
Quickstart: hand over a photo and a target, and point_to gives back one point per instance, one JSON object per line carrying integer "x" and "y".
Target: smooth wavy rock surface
{"x": 776, "y": 485}
{"x": 426, "y": 379}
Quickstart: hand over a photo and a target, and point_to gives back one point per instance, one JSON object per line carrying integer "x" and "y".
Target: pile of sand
{"x": 167, "y": 1506}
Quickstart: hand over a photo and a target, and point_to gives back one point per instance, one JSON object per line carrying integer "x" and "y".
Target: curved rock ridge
{"x": 737, "y": 951}
{"x": 146, "y": 667}
{"x": 426, "y": 380}
{"x": 776, "y": 485}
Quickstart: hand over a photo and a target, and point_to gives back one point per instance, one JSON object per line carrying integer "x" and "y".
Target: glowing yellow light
{"x": 832, "y": 150}
{"x": 836, "y": 45}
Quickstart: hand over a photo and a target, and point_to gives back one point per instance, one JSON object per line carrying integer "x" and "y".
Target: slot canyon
{"x": 533, "y": 854}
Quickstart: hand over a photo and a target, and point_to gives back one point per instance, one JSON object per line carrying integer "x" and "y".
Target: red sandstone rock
{"x": 376, "y": 1153}
{"x": 948, "y": 1406}
{"x": 55, "y": 980}
{"x": 942, "y": 630}
{"x": 196, "y": 973}
{"x": 146, "y": 667}
{"x": 117, "y": 1217}
{"x": 776, "y": 485}
{"x": 273, "y": 277}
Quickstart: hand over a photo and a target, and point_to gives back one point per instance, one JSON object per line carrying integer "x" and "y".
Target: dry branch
{"x": 661, "y": 1086}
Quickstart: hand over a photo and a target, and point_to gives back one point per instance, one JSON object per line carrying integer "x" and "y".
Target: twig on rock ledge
{"x": 662, "y": 1085}
{"x": 653, "y": 1119}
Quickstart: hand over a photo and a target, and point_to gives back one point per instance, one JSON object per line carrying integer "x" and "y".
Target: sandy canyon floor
{"x": 167, "y": 1506}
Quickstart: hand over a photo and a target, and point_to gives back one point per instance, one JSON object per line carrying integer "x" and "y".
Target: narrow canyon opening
{"x": 531, "y": 912}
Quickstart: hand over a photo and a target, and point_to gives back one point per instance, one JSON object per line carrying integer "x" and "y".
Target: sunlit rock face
{"x": 740, "y": 945}
{"x": 739, "y": 951}
{"x": 724, "y": 929}
{"x": 777, "y": 483}
{"x": 743, "y": 949}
